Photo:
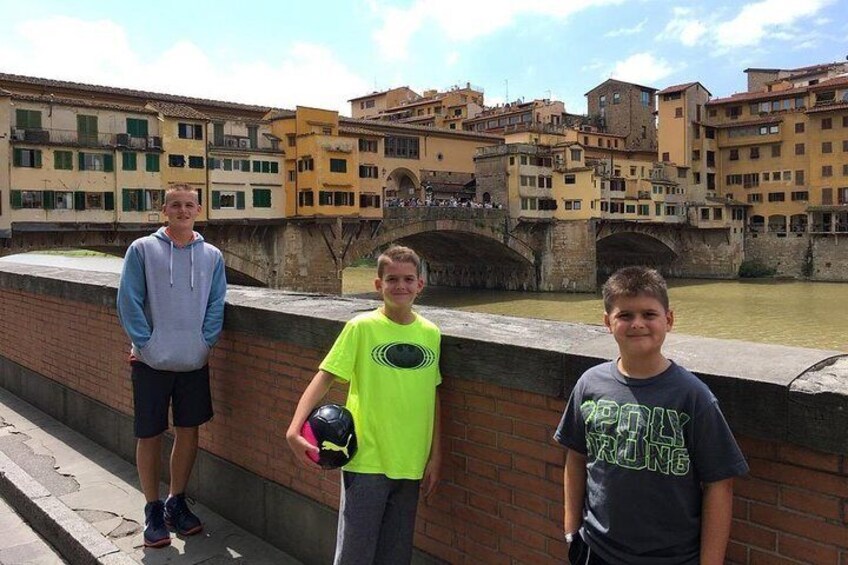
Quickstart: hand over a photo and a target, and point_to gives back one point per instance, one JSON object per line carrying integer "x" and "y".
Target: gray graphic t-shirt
{"x": 649, "y": 444}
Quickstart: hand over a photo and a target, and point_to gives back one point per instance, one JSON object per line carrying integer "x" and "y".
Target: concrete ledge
{"x": 766, "y": 391}
{"x": 78, "y": 541}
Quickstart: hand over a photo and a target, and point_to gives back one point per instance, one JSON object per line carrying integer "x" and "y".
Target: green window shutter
{"x": 218, "y": 134}
{"x": 275, "y": 167}
{"x": 152, "y": 162}
{"x": 108, "y": 163}
{"x": 139, "y": 198}
{"x": 109, "y": 200}
{"x": 21, "y": 118}
{"x": 125, "y": 200}
{"x": 18, "y": 157}
{"x": 198, "y": 131}
{"x": 142, "y": 128}
{"x": 130, "y": 161}
{"x": 228, "y": 164}
{"x": 257, "y": 167}
{"x": 79, "y": 200}
{"x": 49, "y": 200}
{"x": 17, "y": 199}
{"x": 199, "y": 197}
{"x": 137, "y": 127}
{"x": 257, "y": 198}
{"x": 37, "y": 158}
{"x": 81, "y": 161}
{"x": 240, "y": 200}
{"x": 245, "y": 165}
{"x": 266, "y": 166}
{"x": 216, "y": 200}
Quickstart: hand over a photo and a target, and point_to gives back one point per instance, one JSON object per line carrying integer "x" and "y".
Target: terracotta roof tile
{"x": 88, "y": 103}
{"x": 383, "y": 125}
{"x": 676, "y": 88}
{"x": 749, "y": 96}
{"x": 359, "y": 131}
{"x": 172, "y": 110}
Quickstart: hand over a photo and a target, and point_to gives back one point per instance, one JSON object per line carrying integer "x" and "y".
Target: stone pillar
{"x": 568, "y": 258}
{"x": 305, "y": 258}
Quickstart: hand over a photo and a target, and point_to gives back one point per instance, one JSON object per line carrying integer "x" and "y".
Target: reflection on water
{"x": 804, "y": 314}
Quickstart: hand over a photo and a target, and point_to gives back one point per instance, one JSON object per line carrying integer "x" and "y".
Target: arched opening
{"x": 777, "y": 224}
{"x": 628, "y": 248}
{"x": 757, "y": 224}
{"x": 798, "y": 223}
{"x": 402, "y": 188}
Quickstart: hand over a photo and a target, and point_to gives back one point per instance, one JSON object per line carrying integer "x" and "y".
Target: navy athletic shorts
{"x": 188, "y": 394}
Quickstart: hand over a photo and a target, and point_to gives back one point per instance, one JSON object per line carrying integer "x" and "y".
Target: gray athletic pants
{"x": 376, "y": 520}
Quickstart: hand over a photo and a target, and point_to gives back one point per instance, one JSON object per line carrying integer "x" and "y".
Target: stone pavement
{"x": 86, "y": 502}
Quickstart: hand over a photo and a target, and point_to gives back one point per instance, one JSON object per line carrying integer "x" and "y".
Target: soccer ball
{"x": 330, "y": 428}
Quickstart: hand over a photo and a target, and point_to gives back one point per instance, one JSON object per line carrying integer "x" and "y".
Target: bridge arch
{"x": 622, "y": 245}
{"x": 402, "y": 183}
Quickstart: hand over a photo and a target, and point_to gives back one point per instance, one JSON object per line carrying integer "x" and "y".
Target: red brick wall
{"x": 501, "y": 497}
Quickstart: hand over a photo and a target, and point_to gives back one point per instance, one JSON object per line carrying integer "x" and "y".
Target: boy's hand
{"x": 299, "y": 447}
{"x": 432, "y": 474}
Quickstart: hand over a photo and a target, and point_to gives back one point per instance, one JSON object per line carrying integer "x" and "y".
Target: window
{"x": 369, "y": 201}
{"x": 799, "y": 148}
{"x": 775, "y": 150}
{"x": 718, "y": 214}
{"x": 94, "y": 200}
{"x": 370, "y": 103}
{"x": 630, "y": 208}
{"x": 87, "y": 129}
{"x": 261, "y": 198}
{"x": 292, "y": 176}
{"x": 195, "y": 162}
{"x": 152, "y": 162}
{"x": 572, "y": 204}
{"x": 696, "y": 177}
{"x": 671, "y": 210}
{"x": 27, "y": 199}
{"x": 189, "y": 131}
{"x": 845, "y": 145}
{"x": 527, "y": 180}
{"x": 681, "y": 172}
{"x": 799, "y": 127}
{"x": 142, "y": 199}
{"x": 666, "y": 156}
{"x": 401, "y": 147}
{"x": 129, "y": 161}
{"x": 799, "y": 177}
{"x": 754, "y": 198}
{"x": 755, "y": 153}
{"x": 291, "y": 139}
{"x": 570, "y": 179}
{"x": 632, "y": 171}
{"x": 253, "y": 136}
{"x": 696, "y": 154}
{"x": 733, "y": 112}
{"x": 644, "y": 210}
{"x": 845, "y": 170}
{"x": 176, "y": 160}
{"x": 705, "y": 213}
{"x": 800, "y": 196}
{"x": 63, "y": 160}
{"x": 368, "y": 172}
{"x": 545, "y": 182}
{"x": 827, "y": 123}
{"x": 709, "y": 133}
{"x": 523, "y": 159}
{"x": 338, "y": 165}
{"x": 342, "y": 198}
{"x": 827, "y": 171}
{"x": 96, "y": 162}
{"x": 305, "y": 164}
{"x": 616, "y": 97}
{"x": 602, "y": 101}
{"x": 137, "y": 127}
{"x": 305, "y": 198}
{"x": 28, "y": 119}
{"x": 734, "y": 155}
{"x": 787, "y": 175}
{"x": 845, "y": 121}
{"x": 577, "y": 155}
{"x": 766, "y": 176}
{"x": 645, "y": 98}
{"x": 827, "y": 147}
{"x": 776, "y": 197}
{"x": 325, "y": 198}
{"x": 368, "y": 145}
{"x": 228, "y": 200}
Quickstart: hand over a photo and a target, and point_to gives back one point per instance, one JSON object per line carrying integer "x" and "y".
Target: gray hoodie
{"x": 171, "y": 301}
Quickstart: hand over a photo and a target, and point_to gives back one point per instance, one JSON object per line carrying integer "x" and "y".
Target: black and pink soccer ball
{"x": 330, "y": 429}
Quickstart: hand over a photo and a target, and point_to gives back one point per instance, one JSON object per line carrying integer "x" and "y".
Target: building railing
{"x": 57, "y": 136}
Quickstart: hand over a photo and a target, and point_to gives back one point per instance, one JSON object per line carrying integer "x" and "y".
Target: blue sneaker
{"x": 155, "y": 532}
{"x": 179, "y": 518}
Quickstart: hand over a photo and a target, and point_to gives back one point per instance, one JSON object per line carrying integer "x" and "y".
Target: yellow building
{"x": 446, "y": 109}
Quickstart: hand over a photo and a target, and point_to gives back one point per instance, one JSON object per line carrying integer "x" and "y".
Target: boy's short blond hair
{"x": 180, "y": 188}
{"x": 398, "y": 254}
{"x": 635, "y": 281}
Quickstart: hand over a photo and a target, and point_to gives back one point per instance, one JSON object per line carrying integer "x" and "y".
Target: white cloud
{"x": 452, "y": 58}
{"x": 100, "y": 52}
{"x": 760, "y": 20}
{"x": 684, "y": 27}
{"x": 463, "y": 21}
{"x": 642, "y": 68}
{"x": 627, "y": 30}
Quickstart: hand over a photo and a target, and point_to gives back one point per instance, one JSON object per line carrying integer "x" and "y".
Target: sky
{"x": 322, "y": 53}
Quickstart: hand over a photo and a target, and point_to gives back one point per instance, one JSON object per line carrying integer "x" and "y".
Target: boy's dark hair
{"x": 634, "y": 281}
{"x": 398, "y": 254}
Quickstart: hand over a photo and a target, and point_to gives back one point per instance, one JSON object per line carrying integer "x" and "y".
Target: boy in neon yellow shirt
{"x": 390, "y": 358}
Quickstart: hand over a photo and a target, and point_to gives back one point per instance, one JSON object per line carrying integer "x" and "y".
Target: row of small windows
{"x": 618, "y": 207}
{"x": 337, "y": 198}
{"x": 753, "y": 130}
{"x": 64, "y": 160}
{"x": 531, "y": 181}
{"x": 62, "y": 200}
{"x": 244, "y": 165}
{"x": 235, "y": 199}
{"x": 539, "y": 204}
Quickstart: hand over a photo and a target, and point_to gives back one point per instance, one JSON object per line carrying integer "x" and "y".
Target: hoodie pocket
{"x": 175, "y": 350}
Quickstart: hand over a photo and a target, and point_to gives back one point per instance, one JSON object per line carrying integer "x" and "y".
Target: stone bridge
{"x": 466, "y": 247}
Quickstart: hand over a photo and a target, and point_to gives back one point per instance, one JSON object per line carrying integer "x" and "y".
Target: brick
{"x": 790, "y": 475}
{"x": 475, "y": 553}
{"x": 806, "y": 551}
{"x": 757, "y": 448}
{"x": 754, "y": 535}
{"x": 799, "y": 524}
{"x": 756, "y": 489}
{"x": 523, "y": 483}
{"x": 488, "y": 454}
{"x": 802, "y": 457}
{"x": 523, "y": 519}
{"x": 761, "y": 558}
{"x": 547, "y": 452}
{"x": 737, "y": 553}
{"x": 529, "y": 413}
{"x": 811, "y": 502}
{"x": 523, "y": 554}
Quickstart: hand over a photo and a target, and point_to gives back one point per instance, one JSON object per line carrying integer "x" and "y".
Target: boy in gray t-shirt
{"x": 651, "y": 459}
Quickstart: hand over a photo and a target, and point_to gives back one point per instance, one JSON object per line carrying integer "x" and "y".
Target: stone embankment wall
{"x": 505, "y": 384}
{"x": 818, "y": 257}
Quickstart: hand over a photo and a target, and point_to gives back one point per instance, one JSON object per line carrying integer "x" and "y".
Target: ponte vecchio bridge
{"x": 466, "y": 247}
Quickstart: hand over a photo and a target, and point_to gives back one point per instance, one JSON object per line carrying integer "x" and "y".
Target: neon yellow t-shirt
{"x": 393, "y": 371}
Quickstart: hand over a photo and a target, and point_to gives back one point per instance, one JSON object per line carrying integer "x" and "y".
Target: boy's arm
{"x": 317, "y": 389}
{"x": 716, "y": 515}
{"x": 433, "y": 471}
{"x": 213, "y": 321}
{"x": 132, "y": 292}
{"x": 574, "y": 484}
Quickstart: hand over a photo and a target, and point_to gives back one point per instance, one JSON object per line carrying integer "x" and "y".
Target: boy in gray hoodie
{"x": 171, "y": 305}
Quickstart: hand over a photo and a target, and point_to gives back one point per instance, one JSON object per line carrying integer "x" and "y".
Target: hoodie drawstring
{"x": 191, "y": 253}
{"x": 171, "y": 264}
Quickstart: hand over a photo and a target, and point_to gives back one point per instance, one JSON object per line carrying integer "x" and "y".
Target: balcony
{"x": 54, "y": 136}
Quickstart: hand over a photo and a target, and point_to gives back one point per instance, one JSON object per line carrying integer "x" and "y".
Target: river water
{"x": 806, "y": 314}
